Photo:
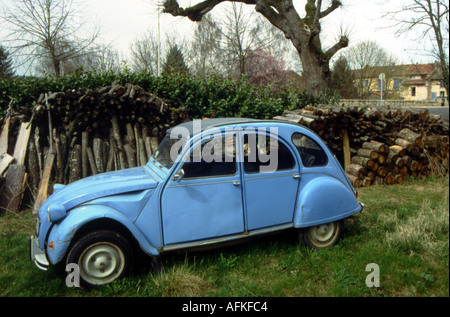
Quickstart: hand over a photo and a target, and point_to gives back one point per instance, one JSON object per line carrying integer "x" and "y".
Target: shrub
{"x": 211, "y": 96}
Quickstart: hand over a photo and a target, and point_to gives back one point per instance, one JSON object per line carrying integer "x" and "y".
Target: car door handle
{"x": 296, "y": 176}
{"x": 236, "y": 183}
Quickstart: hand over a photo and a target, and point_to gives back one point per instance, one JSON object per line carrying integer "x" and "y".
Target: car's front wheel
{"x": 322, "y": 236}
{"x": 102, "y": 257}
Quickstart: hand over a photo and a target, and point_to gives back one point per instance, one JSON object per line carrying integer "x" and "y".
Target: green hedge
{"x": 203, "y": 96}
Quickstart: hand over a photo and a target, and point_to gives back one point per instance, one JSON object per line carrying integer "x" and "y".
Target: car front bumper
{"x": 37, "y": 254}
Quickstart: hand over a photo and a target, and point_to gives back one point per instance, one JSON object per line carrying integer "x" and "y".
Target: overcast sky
{"x": 122, "y": 21}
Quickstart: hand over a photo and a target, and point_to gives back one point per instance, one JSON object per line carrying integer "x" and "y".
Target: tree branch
{"x": 343, "y": 42}
{"x": 333, "y": 6}
{"x": 194, "y": 13}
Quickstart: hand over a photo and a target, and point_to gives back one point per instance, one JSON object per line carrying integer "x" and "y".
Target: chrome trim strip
{"x": 203, "y": 183}
{"x": 225, "y": 239}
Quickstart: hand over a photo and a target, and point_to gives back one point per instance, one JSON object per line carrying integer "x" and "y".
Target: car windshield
{"x": 168, "y": 151}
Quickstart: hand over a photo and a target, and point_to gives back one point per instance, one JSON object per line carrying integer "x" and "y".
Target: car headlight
{"x": 55, "y": 212}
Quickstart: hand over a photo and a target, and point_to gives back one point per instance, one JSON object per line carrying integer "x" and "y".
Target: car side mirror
{"x": 178, "y": 175}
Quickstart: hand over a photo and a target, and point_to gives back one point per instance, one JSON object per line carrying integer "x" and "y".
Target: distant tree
{"x": 204, "y": 48}
{"x": 47, "y": 30}
{"x": 145, "y": 53}
{"x": 431, "y": 17}
{"x": 364, "y": 58}
{"x": 237, "y": 39}
{"x": 175, "y": 61}
{"x": 343, "y": 79}
{"x": 6, "y": 70}
{"x": 263, "y": 68}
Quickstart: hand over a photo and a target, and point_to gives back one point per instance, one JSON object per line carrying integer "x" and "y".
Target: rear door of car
{"x": 271, "y": 177}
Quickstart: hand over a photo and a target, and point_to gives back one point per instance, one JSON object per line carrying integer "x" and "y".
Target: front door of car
{"x": 270, "y": 181}
{"x": 204, "y": 199}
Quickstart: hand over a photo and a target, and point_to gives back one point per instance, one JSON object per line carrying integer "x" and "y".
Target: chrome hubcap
{"x": 101, "y": 263}
{"x": 323, "y": 233}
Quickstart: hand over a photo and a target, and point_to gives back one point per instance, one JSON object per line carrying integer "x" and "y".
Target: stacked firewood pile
{"x": 411, "y": 156}
{"x": 74, "y": 134}
{"x": 380, "y": 145}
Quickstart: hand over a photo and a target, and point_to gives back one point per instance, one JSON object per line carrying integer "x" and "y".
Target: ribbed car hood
{"x": 93, "y": 187}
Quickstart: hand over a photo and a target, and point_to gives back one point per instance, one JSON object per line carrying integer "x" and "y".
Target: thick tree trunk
{"x": 303, "y": 32}
{"x": 316, "y": 73}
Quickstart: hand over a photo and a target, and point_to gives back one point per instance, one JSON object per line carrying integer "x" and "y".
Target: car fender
{"x": 62, "y": 233}
{"x": 324, "y": 199}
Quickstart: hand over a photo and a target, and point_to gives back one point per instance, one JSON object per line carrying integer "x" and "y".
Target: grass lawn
{"x": 403, "y": 232}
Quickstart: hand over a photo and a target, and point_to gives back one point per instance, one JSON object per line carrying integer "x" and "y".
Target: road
{"x": 443, "y": 111}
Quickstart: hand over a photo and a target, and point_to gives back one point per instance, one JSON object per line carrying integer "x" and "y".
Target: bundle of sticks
{"x": 78, "y": 133}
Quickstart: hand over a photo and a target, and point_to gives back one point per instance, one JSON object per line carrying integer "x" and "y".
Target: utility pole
{"x": 381, "y": 77}
{"x": 158, "y": 67}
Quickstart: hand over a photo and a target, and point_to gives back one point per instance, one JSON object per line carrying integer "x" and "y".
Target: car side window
{"x": 311, "y": 153}
{"x": 266, "y": 154}
{"x": 214, "y": 157}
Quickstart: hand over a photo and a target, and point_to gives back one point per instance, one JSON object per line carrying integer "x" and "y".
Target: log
{"x": 382, "y": 171}
{"x": 118, "y": 141}
{"x": 356, "y": 170}
{"x": 21, "y": 147}
{"x": 84, "y": 157}
{"x": 4, "y": 136}
{"x": 91, "y": 160}
{"x": 382, "y": 158}
{"x": 33, "y": 168}
{"x": 355, "y": 181}
{"x": 368, "y": 153}
{"x": 59, "y": 159}
{"x": 38, "y": 150}
{"x": 154, "y": 143}
{"x": 12, "y": 189}
{"x": 399, "y": 162}
{"x": 364, "y": 161}
{"x": 346, "y": 149}
{"x": 97, "y": 148}
{"x": 410, "y": 136}
{"x": 398, "y": 179}
{"x": 405, "y": 144}
{"x": 75, "y": 164}
{"x": 398, "y": 150}
{"x": 131, "y": 155}
{"x": 142, "y": 153}
{"x": 6, "y": 159}
{"x": 44, "y": 183}
{"x": 379, "y": 147}
{"x": 366, "y": 182}
{"x": 389, "y": 179}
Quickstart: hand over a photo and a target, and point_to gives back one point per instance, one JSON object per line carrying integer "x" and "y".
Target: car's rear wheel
{"x": 322, "y": 236}
{"x": 102, "y": 257}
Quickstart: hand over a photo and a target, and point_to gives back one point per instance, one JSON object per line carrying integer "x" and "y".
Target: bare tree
{"x": 204, "y": 47}
{"x": 144, "y": 53}
{"x": 103, "y": 59}
{"x": 304, "y": 32}
{"x": 365, "y": 58}
{"x": 47, "y": 29}
{"x": 431, "y": 18}
{"x": 237, "y": 38}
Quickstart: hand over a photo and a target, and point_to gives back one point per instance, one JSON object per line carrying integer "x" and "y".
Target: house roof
{"x": 425, "y": 70}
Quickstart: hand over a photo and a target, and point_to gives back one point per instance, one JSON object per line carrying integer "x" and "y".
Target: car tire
{"x": 102, "y": 257}
{"x": 322, "y": 236}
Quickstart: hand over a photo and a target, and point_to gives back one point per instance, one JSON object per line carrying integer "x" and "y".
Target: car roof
{"x": 197, "y": 126}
